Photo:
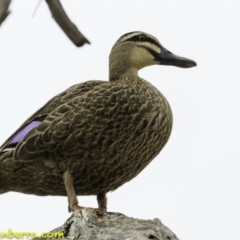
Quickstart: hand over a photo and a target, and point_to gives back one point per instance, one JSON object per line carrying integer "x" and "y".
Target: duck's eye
{"x": 142, "y": 37}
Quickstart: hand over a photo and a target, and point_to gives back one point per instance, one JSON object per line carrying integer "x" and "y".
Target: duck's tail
{"x": 6, "y": 165}
{"x": 3, "y": 185}
{"x": 2, "y": 192}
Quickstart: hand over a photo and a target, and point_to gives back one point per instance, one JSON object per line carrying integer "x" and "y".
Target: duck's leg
{"x": 102, "y": 205}
{"x": 102, "y": 202}
{"x": 72, "y": 198}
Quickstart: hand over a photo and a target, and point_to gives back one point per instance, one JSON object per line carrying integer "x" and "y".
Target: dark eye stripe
{"x": 149, "y": 50}
{"x": 136, "y": 39}
{"x": 149, "y": 40}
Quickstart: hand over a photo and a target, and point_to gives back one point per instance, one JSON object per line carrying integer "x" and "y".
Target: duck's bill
{"x": 168, "y": 58}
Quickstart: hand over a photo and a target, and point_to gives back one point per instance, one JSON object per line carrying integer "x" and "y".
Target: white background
{"x": 193, "y": 185}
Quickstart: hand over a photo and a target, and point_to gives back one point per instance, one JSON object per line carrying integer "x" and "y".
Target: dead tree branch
{"x": 87, "y": 224}
{"x": 65, "y": 23}
{"x": 4, "y": 12}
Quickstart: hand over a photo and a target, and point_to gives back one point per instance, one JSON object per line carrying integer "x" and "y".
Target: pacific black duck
{"x": 97, "y": 135}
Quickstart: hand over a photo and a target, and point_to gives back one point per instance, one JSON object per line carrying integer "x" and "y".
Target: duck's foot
{"x": 102, "y": 205}
{"x": 103, "y": 211}
{"x": 99, "y": 212}
{"x": 75, "y": 207}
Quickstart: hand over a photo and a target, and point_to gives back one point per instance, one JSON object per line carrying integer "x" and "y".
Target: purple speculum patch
{"x": 23, "y": 132}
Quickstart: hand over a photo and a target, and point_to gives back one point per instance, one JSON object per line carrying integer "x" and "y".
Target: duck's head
{"x": 136, "y": 50}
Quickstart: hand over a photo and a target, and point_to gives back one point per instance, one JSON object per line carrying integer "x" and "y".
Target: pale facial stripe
{"x": 149, "y": 43}
{"x": 126, "y": 36}
{"x": 150, "y": 47}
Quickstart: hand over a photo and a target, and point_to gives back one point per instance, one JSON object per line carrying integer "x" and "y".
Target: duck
{"x": 96, "y": 135}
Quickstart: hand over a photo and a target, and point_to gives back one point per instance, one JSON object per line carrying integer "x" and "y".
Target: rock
{"x": 87, "y": 224}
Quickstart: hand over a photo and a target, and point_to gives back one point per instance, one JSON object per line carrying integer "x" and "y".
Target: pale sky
{"x": 193, "y": 184}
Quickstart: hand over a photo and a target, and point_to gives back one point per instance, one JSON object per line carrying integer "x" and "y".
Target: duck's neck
{"x": 120, "y": 66}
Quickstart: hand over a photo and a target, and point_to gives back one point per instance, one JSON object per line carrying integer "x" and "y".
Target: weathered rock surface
{"x": 88, "y": 225}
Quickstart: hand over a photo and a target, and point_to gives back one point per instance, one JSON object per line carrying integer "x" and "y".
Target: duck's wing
{"x": 38, "y": 117}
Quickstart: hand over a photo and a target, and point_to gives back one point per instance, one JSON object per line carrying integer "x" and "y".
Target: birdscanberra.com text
{"x": 10, "y": 234}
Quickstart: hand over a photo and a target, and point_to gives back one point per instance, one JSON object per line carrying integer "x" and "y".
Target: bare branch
{"x": 65, "y": 23}
{"x": 4, "y": 12}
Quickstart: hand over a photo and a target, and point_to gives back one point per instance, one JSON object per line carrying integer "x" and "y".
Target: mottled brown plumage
{"x": 96, "y": 135}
